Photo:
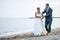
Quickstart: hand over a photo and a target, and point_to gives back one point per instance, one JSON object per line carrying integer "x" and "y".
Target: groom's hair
{"x": 47, "y": 4}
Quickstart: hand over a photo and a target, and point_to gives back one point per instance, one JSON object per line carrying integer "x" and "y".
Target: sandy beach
{"x": 55, "y": 35}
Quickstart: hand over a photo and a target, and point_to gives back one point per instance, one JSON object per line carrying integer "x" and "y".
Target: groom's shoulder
{"x": 50, "y": 8}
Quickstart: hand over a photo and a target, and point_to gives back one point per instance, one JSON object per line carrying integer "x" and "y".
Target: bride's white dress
{"x": 38, "y": 26}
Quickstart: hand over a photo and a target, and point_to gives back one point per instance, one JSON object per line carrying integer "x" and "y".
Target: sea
{"x": 10, "y": 26}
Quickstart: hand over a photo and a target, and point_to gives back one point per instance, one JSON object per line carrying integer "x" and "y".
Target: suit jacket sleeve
{"x": 44, "y": 11}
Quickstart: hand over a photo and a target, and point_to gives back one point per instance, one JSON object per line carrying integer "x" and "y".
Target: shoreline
{"x": 55, "y": 32}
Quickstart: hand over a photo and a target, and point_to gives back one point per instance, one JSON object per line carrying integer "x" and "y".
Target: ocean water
{"x": 10, "y": 26}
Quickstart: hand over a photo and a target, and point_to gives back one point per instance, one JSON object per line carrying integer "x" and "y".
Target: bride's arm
{"x": 38, "y": 16}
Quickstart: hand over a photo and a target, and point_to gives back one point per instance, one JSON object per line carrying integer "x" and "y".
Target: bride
{"x": 38, "y": 24}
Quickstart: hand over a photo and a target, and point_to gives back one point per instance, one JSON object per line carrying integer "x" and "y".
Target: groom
{"x": 48, "y": 18}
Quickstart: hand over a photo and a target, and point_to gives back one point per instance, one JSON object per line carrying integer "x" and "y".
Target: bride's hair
{"x": 38, "y": 8}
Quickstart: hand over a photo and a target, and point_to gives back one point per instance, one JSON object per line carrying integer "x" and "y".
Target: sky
{"x": 26, "y": 8}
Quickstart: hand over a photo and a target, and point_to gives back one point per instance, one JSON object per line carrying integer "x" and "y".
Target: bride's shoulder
{"x": 36, "y": 13}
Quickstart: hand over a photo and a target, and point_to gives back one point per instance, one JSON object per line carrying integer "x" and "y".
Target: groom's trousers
{"x": 48, "y": 22}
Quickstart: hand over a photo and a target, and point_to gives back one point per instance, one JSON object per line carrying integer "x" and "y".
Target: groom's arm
{"x": 44, "y": 11}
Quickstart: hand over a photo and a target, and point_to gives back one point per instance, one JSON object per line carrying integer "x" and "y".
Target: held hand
{"x": 42, "y": 17}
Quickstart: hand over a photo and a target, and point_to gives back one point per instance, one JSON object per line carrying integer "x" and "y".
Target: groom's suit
{"x": 48, "y": 19}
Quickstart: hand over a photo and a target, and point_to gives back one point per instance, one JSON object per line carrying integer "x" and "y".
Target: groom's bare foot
{"x": 48, "y": 33}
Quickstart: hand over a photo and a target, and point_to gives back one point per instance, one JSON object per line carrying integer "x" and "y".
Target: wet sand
{"x": 55, "y": 35}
